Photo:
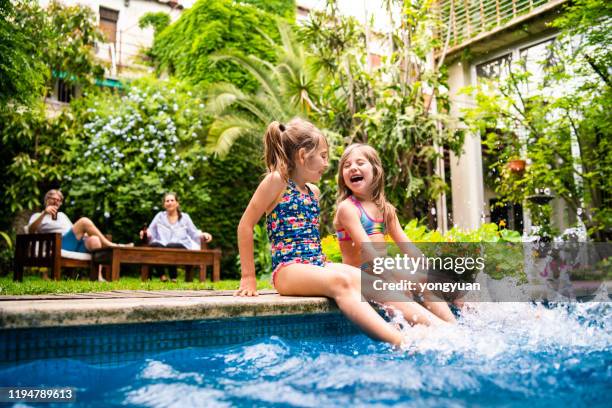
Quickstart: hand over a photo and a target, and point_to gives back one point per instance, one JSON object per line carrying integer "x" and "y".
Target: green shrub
{"x": 231, "y": 182}
{"x": 331, "y": 248}
{"x": 504, "y": 256}
{"x": 209, "y": 26}
{"x": 283, "y": 8}
{"x": 125, "y": 152}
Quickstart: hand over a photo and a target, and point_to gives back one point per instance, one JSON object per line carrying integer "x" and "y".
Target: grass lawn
{"x": 35, "y": 285}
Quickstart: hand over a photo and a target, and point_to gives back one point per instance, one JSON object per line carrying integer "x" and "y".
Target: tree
{"x": 126, "y": 151}
{"x": 286, "y": 89}
{"x": 55, "y": 42}
{"x": 388, "y": 107}
{"x": 21, "y": 76}
{"x": 209, "y": 26}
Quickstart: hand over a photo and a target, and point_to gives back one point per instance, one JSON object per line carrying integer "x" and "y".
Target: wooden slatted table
{"x": 147, "y": 256}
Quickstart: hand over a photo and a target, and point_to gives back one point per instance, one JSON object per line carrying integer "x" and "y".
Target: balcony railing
{"x": 468, "y": 18}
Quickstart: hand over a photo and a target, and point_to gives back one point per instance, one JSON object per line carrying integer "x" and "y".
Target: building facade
{"x": 492, "y": 34}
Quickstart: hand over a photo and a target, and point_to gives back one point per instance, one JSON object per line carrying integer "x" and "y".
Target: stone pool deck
{"x": 136, "y": 306}
{"x": 139, "y": 306}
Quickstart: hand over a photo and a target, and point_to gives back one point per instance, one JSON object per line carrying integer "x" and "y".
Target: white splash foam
{"x": 176, "y": 396}
{"x": 488, "y": 329}
{"x": 158, "y": 370}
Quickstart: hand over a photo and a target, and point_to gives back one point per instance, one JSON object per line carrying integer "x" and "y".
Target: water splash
{"x": 506, "y": 329}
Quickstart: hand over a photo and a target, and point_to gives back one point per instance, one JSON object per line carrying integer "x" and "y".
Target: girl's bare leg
{"x": 85, "y": 225}
{"x": 311, "y": 280}
{"x": 439, "y": 307}
{"x": 413, "y": 312}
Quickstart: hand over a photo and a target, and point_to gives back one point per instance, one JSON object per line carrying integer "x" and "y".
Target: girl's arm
{"x": 263, "y": 200}
{"x": 403, "y": 242}
{"x": 348, "y": 217}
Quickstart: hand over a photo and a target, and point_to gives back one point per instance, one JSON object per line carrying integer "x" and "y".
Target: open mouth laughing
{"x": 356, "y": 179}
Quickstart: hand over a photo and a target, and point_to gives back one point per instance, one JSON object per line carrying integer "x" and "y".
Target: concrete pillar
{"x": 466, "y": 170}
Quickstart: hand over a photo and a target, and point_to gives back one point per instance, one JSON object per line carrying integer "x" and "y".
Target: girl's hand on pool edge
{"x": 248, "y": 287}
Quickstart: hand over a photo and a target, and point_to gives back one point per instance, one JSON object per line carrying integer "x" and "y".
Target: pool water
{"x": 502, "y": 354}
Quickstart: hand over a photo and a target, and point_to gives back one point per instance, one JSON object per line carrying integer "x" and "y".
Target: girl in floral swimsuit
{"x": 296, "y": 155}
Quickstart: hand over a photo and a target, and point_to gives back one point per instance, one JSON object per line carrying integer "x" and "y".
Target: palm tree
{"x": 287, "y": 89}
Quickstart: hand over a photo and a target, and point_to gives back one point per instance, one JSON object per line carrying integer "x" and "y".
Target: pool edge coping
{"x": 38, "y": 313}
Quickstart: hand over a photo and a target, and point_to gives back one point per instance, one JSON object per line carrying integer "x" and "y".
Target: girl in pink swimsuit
{"x": 364, "y": 215}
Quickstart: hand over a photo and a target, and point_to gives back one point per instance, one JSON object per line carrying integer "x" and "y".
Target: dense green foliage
{"x": 501, "y": 260}
{"x": 125, "y": 152}
{"x": 21, "y": 77}
{"x": 388, "y": 106}
{"x": 283, "y": 8}
{"x": 158, "y": 21}
{"x": 59, "y": 40}
{"x": 287, "y": 89}
{"x": 328, "y": 81}
{"x": 38, "y": 45}
{"x": 209, "y": 26}
{"x": 231, "y": 181}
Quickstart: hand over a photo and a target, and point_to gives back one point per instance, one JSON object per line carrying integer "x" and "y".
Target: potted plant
{"x": 516, "y": 165}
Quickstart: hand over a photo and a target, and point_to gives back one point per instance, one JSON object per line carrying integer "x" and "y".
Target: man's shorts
{"x": 71, "y": 243}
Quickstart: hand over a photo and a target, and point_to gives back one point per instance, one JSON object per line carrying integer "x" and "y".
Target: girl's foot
{"x": 173, "y": 280}
{"x": 163, "y": 278}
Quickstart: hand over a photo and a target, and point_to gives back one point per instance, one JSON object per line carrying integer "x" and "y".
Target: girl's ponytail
{"x": 274, "y": 152}
{"x": 282, "y": 142}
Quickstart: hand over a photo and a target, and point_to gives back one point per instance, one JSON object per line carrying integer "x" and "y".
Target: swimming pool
{"x": 510, "y": 354}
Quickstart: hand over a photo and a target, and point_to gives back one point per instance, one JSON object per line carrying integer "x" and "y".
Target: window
{"x": 108, "y": 24}
{"x": 537, "y": 59}
{"x": 497, "y": 68}
{"x": 65, "y": 91}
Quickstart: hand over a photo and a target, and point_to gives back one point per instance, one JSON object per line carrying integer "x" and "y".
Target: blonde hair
{"x": 51, "y": 192}
{"x": 282, "y": 142}
{"x": 178, "y": 209}
{"x": 378, "y": 181}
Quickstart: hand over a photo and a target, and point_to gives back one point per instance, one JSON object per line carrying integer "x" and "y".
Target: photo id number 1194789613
{"x": 37, "y": 394}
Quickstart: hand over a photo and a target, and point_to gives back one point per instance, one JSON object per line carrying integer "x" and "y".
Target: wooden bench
{"x": 45, "y": 250}
{"x": 147, "y": 256}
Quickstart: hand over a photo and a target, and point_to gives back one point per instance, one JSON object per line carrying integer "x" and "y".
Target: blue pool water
{"x": 501, "y": 354}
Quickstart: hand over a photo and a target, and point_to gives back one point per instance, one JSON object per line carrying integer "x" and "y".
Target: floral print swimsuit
{"x": 293, "y": 230}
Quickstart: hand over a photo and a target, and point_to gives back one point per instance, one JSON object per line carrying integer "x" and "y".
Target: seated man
{"x": 82, "y": 236}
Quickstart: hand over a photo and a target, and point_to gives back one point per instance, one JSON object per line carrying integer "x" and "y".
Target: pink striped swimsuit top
{"x": 370, "y": 225}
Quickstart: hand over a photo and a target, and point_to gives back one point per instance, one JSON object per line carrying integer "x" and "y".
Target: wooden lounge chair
{"x": 45, "y": 250}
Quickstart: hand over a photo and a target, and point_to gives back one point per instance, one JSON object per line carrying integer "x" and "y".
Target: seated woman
{"x": 82, "y": 236}
{"x": 174, "y": 229}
